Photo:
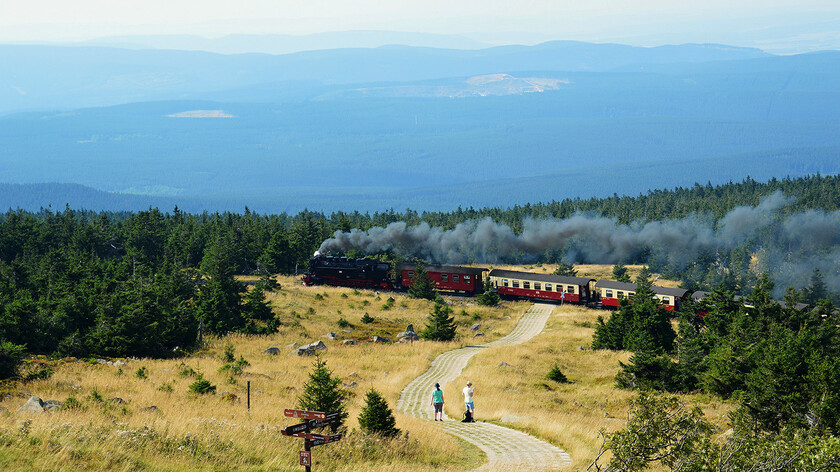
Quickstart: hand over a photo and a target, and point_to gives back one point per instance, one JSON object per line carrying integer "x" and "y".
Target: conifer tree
{"x": 377, "y": 417}
{"x": 488, "y": 297}
{"x": 323, "y": 393}
{"x": 422, "y": 286}
{"x": 441, "y": 326}
{"x": 566, "y": 269}
{"x": 619, "y": 273}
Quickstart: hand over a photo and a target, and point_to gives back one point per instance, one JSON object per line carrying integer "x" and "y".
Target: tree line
{"x": 81, "y": 283}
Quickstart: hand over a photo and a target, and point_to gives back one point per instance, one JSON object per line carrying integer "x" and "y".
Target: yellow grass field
{"x": 216, "y": 432}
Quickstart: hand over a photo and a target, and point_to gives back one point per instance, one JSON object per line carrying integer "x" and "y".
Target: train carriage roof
{"x": 631, "y": 287}
{"x": 476, "y": 271}
{"x": 558, "y": 279}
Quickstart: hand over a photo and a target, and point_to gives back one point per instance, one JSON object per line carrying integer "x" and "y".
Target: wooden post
{"x": 249, "y": 396}
{"x": 307, "y": 448}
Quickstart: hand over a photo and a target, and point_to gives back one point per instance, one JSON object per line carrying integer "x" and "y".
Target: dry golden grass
{"x": 567, "y": 415}
{"x": 216, "y": 432}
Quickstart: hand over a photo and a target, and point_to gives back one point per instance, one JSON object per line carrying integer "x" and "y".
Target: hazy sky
{"x": 639, "y": 21}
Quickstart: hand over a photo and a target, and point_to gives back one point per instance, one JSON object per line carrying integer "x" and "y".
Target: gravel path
{"x": 506, "y": 449}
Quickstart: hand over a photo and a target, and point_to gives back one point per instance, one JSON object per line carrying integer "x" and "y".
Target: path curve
{"x": 506, "y": 449}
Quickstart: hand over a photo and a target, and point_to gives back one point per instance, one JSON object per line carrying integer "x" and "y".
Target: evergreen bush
{"x": 376, "y": 417}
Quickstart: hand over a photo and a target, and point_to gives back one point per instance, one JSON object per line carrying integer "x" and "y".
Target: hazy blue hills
{"x": 395, "y": 126}
{"x": 39, "y": 77}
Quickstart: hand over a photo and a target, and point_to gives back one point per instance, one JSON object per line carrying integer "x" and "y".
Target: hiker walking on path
{"x": 469, "y": 390}
{"x": 437, "y": 402}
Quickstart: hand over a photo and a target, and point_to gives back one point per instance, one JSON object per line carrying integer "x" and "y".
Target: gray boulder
{"x": 504, "y": 364}
{"x": 150, "y": 409}
{"x": 52, "y": 405}
{"x": 350, "y": 385}
{"x": 380, "y": 339}
{"x": 316, "y": 345}
{"x": 477, "y": 334}
{"x": 303, "y": 351}
{"x": 293, "y": 346}
{"x": 476, "y": 327}
{"x": 272, "y": 351}
{"x": 350, "y": 342}
{"x": 33, "y": 405}
{"x": 408, "y": 336}
{"x": 330, "y": 336}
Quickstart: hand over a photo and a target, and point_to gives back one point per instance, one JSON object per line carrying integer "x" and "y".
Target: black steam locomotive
{"x": 348, "y": 272}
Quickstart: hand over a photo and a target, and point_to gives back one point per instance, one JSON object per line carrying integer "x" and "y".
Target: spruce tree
{"x": 422, "y": 286}
{"x": 619, "y": 273}
{"x": 441, "y": 326}
{"x": 323, "y": 393}
{"x": 566, "y": 269}
{"x": 377, "y": 417}
{"x": 488, "y": 297}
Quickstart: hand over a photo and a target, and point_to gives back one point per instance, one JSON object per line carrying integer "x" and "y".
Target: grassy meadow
{"x": 214, "y": 432}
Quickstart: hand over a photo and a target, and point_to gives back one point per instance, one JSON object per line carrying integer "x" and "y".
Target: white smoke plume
{"x": 794, "y": 244}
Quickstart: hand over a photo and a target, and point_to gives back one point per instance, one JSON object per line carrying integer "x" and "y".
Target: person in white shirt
{"x": 469, "y": 390}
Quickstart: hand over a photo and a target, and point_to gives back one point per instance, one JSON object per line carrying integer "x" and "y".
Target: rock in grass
{"x": 350, "y": 341}
{"x": 272, "y": 351}
{"x": 476, "y": 327}
{"x": 380, "y": 339}
{"x": 33, "y": 405}
{"x": 52, "y": 405}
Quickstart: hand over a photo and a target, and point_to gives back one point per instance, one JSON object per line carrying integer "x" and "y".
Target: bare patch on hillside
{"x": 201, "y": 114}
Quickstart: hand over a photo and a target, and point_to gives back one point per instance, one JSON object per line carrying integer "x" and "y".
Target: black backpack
{"x": 468, "y": 418}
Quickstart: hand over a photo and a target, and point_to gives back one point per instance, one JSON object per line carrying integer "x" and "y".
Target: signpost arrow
{"x": 304, "y": 414}
{"x": 291, "y": 430}
{"x": 330, "y": 419}
{"x": 318, "y": 439}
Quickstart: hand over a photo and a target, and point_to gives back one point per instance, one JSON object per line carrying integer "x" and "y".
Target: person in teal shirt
{"x": 437, "y": 402}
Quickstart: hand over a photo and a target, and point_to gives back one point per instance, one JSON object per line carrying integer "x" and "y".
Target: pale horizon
{"x": 771, "y": 25}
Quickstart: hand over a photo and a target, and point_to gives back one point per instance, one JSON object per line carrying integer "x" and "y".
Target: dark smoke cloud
{"x": 790, "y": 246}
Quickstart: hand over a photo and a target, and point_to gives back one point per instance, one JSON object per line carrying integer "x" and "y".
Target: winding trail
{"x": 506, "y": 449}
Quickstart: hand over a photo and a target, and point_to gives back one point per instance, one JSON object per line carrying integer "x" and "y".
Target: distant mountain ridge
{"x": 52, "y": 77}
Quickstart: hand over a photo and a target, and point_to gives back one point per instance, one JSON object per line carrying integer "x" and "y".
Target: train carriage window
{"x": 454, "y": 278}
{"x": 515, "y": 284}
{"x": 548, "y": 287}
{"x": 411, "y": 274}
{"x": 571, "y": 289}
{"x": 537, "y": 286}
{"x": 666, "y": 300}
{"x": 609, "y": 294}
{"x": 467, "y": 279}
{"x": 444, "y": 277}
{"x": 526, "y": 285}
{"x": 505, "y": 282}
{"x": 620, "y": 294}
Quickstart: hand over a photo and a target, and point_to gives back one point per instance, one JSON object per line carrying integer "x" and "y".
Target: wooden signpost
{"x": 312, "y": 420}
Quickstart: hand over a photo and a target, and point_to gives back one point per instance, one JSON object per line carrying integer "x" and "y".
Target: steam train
{"x": 371, "y": 273}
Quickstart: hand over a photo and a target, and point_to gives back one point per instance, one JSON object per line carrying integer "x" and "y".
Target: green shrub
{"x": 342, "y": 323}
{"x": 367, "y": 319}
{"x": 71, "y": 403}
{"x": 40, "y": 374}
{"x": 229, "y": 354}
{"x": 186, "y": 371}
{"x": 141, "y": 373}
{"x": 202, "y": 386}
{"x": 166, "y": 387}
{"x": 556, "y": 375}
{"x": 376, "y": 417}
{"x": 11, "y": 356}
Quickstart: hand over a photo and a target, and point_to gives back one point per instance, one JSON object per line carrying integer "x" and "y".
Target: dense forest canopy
{"x": 83, "y": 283}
